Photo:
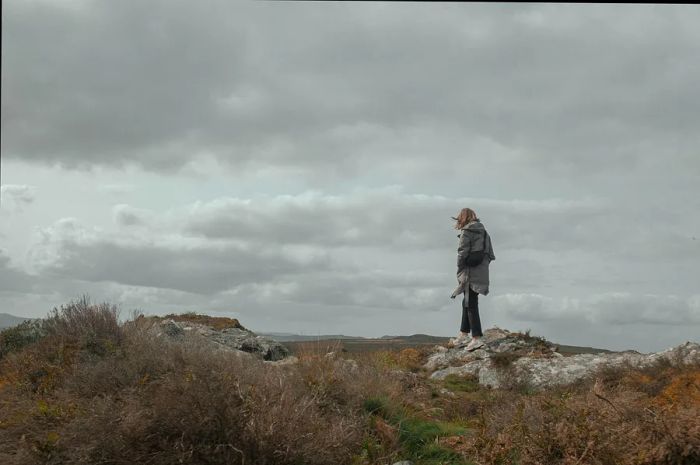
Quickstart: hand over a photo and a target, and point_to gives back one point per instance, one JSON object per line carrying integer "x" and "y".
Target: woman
{"x": 474, "y": 253}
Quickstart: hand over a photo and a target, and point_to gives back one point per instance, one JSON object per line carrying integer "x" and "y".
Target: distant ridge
{"x": 289, "y": 337}
{"x": 418, "y": 338}
{"x": 7, "y": 320}
{"x": 413, "y": 339}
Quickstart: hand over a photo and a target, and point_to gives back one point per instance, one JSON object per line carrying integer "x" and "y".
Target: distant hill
{"x": 564, "y": 349}
{"x": 418, "y": 338}
{"x": 357, "y": 343}
{"x": 414, "y": 338}
{"x": 290, "y": 337}
{"x": 7, "y": 320}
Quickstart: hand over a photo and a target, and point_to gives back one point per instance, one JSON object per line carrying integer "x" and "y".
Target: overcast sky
{"x": 295, "y": 165}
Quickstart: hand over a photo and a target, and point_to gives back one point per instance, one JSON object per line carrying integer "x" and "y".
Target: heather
{"x": 81, "y": 387}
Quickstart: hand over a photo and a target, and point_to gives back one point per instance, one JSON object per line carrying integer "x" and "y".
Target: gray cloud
{"x": 299, "y": 163}
{"x": 117, "y": 83}
{"x": 392, "y": 218}
{"x": 14, "y": 197}
{"x": 70, "y": 250}
{"x": 555, "y": 244}
{"x": 614, "y": 308}
{"x": 115, "y": 79}
{"x": 389, "y": 217}
{"x": 624, "y": 308}
{"x": 116, "y": 189}
{"x": 364, "y": 289}
{"x": 125, "y": 215}
{"x": 13, "y": 279}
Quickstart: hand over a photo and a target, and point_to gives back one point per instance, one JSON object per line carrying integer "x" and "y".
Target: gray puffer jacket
{"x": 473, "y": 237}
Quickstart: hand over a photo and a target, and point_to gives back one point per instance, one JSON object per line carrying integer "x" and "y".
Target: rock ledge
{"x": 232, "y": 337}
{"x": 514, "y": 358}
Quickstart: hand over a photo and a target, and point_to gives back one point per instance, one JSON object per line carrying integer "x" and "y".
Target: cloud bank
{"x": 296, "y": 164}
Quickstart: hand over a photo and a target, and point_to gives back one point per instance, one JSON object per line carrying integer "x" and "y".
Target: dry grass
{"x": 216, "y": 322}
{"x": 504, "y": 360}
{"x": 613, "y": 420}
{"x": 92, "y": 391}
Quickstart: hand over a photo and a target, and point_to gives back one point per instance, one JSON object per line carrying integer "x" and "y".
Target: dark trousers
{"x": 470, "y": 314}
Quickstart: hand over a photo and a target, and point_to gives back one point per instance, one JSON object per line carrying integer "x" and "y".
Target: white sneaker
{"x": 460, "y": 340}
{"x": 475, "y": 344}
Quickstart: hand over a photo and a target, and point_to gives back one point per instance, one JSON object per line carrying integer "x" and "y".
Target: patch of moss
{"x": 417, "y": 436}
{"x": 462, "y": 383}
{"x": 419, "y": 440}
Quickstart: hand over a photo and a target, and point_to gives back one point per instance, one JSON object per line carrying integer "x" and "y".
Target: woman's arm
{"x": 489, "y": 250}
{"x": 462, "y": 249}
{"x": 463, "y": 245}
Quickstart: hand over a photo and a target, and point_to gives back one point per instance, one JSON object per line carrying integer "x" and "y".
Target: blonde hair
{"x": 466, "y": 215}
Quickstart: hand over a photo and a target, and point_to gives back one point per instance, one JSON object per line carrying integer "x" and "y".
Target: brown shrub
{"x": 410, "y": 359}
{"x": 160, "y": 401}
{"x": 601, "y": 426}
{"x": 95, "y": 327}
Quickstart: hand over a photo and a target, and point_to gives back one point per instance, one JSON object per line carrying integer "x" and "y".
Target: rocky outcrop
{"x": 518, "y": 359}
{"x": 234, "y": 337}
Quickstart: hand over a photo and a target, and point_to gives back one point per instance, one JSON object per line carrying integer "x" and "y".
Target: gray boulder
{"x": 238, "y": 339}
{"x": 513, "y": 358}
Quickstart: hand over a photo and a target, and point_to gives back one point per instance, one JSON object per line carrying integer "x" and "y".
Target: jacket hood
{"x": 474, "y": 226}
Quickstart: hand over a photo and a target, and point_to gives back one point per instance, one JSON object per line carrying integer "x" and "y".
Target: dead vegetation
{"x": 93, "y": 391}
{"x": 607, "y": 426}
{"x": 216, "y": 322}
{"x": 86, "y": 389}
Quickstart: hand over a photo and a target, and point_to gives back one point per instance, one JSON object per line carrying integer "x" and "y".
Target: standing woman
{"x": 474, "y": 253}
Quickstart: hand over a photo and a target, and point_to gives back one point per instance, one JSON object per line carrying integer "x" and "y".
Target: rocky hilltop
{"x": 223, "y": 334}
{"x": 506, "y": 359}
{"x": 509, "y": 358}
